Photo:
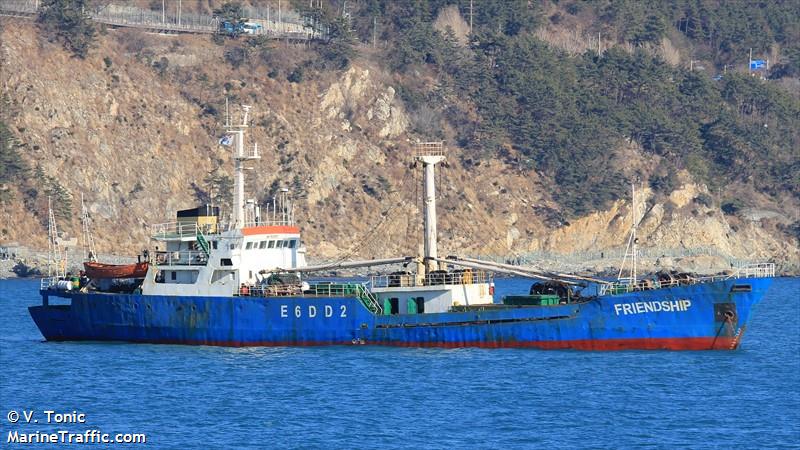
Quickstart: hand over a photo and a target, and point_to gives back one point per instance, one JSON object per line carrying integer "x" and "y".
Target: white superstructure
{"x": 433, "y": 289}
{"x": 192, "y": 261}
{"x": 200, "y": 255}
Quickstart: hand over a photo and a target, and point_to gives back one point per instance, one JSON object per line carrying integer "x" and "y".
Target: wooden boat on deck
{"x": 97, "y": 270}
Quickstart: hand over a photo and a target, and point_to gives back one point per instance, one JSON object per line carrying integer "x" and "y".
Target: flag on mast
{"x": 226, "y": 140}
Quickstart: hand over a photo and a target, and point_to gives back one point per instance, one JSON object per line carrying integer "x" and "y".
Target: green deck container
{"x": 531, "y": 300}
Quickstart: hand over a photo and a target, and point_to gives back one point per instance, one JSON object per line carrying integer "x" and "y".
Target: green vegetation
{"x": 13, "y": 169}
{"x": 236, "y": 56}
{"x": 59, "y": 196}
{"x": 15, "y": 176}
{"x": 502, "y": 92}
{"x": 510, "y": 95}
{"x": 337, "y": 50}
{"x": 270, "y": 192}
{"x": 65, "y": 21}
{"x": 721, "y": 32}
{"x": 217, "y": 189}
{"x": 732, "y": 207}
{"x": 230, "y": 11}
{"x": 161, "y": 66}
{"x": 296, "y": 75}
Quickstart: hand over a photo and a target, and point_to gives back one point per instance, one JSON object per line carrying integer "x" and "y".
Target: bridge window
{"x": 285, "y": 244}
{"x": 262, "y": 244}
{"x": 249, "y": 246}
{"x": 221, "y": 274}
{"x": 185, "y": 277}
{"x": 271, "y": 244}
{"x": 292, "y": 243}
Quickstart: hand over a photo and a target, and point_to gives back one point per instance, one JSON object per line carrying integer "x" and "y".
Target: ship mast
{"x": 88, "y": 239}
{"x": 430, "y": 154}
{"x": 240, "y": 156}
{"x": 631, "y": 249}
{"x": 56, "y": 267}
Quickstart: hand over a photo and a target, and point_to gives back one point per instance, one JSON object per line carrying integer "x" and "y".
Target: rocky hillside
{"x": 133, "y": 128}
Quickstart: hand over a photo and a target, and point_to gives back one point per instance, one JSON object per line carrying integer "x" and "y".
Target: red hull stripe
{"x": 701, "y": 343}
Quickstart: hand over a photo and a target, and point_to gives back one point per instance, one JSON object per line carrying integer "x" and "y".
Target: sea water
{"x": 367, "y": 397}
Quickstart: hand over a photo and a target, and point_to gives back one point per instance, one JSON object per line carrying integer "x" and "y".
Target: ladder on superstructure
{"x": 203, "y": 242}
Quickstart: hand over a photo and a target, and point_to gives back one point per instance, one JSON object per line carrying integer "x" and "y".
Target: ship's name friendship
{"x": 657, "y": 306}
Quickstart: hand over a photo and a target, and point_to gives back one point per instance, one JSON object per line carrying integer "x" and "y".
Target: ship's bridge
{"x": 198, "y": 250}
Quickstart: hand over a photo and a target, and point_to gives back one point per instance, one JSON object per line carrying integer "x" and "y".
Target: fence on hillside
{"x": 271, "y": 23}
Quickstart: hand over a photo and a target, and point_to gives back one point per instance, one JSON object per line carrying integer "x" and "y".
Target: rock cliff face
{"x": 680, "y": 221}
{"x": 134, "y": 135}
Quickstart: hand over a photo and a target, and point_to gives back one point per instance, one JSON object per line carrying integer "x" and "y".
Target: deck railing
{"x": 346, "y": 290}
{"x": 333, "y": 289}
{"x": 181, "y": 258}
{"x": 315, "y": 290}
{"x": 431, "y": 279}
{"x": 178, "y": 230}
{"x": 172, "y": 230}
{"x": 428, "y": 149}
{"x": 277, "y": 290}
{"x": 269, "y": 223}
{"x": 47, "y": 282}
{"x": 758, "y": 270}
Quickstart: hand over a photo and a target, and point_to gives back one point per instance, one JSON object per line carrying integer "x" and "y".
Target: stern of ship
{"x": 55, "y": 321}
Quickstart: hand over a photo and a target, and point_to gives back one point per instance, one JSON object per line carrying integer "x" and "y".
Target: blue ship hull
{"x": 694, "y": 317}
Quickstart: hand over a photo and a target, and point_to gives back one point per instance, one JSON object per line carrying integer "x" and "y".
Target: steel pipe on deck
{"x": 349, "y": 264}
{"x": 482, "y": 266}
{"x": 556, "y": 275}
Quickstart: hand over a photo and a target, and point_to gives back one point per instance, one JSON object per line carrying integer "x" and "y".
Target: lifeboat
{"x": 97, "y": 270}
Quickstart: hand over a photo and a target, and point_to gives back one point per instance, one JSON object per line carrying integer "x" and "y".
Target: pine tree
{"x": 67, "y": 22}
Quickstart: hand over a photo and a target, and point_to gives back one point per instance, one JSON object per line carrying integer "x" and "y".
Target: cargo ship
{"x": 243, "y": 282}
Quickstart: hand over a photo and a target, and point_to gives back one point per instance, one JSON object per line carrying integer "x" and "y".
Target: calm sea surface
{"x": 356, "y": 397}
